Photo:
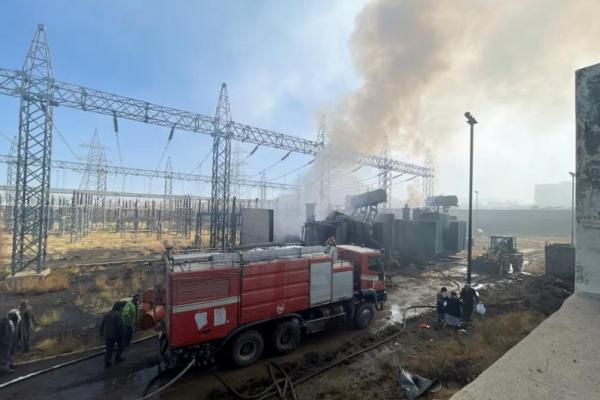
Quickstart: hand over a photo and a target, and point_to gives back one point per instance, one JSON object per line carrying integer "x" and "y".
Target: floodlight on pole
{"x": 471, "y": 121}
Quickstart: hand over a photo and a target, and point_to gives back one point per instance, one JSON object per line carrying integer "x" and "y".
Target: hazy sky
{"x": 406, "y": 69}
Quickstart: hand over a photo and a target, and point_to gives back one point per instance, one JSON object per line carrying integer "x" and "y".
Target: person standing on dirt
{"x": 441, "y": 298}
{"x": 28, "y": 319}
{"x": 468, "y": 295}
{"x": 15, "y": 316}
{"x": 453, "y": 311}
{"x": 7, "y": 333}
{"x": 112, "y": 331}
{"x": 130, "y": 318}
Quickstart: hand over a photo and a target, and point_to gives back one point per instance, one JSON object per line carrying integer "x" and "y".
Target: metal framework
{"x": 168, "y": 192}
{"x": 76, "y": 166}
{"x": 428, "y": 180}
{"x": 325, "y": 166}
{"x": 385, "y": 174}
{"x": 39, "y": 92}
{"x": 94, "y": 176}
{"x": 34, "y": 146}
{"x": 221, "y": 173}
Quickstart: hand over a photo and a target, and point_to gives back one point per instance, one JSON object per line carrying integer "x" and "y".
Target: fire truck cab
{"x": 243, "y": 302}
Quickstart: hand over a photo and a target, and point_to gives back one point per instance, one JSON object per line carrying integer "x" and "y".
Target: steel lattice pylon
{"x": 34, "y": 146}
{"x": 428, "y": 180}
{"x": 385, "y": 173}
{"x": 325, "y": 168}
{"x": 221, "y": 173}
{"x": 168, "y": 192}
{"x": 94, "y": 177}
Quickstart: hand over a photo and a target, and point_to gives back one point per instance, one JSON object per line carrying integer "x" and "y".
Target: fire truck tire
{"x": 247, "y": 348}
{"x": 364, "y": 315}
{"x": 286, "y": 337}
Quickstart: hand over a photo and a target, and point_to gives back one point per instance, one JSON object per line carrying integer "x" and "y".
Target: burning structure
{"x": 406, "y": 235}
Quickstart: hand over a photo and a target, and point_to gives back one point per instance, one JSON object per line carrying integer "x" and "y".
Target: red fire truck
{"x": 242, "y": 302}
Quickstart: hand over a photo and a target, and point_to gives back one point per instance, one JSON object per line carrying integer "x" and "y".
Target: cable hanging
{"x": 294, "y": 170}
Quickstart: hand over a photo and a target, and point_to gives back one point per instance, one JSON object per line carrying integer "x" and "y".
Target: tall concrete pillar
{"x": 587, "y": 264}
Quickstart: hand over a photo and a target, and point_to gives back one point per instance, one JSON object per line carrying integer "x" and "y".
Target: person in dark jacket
{"x": 441, "y": 298}
{"x": 112, "y": 330}
{"x": 453, "y": 310}
{"x": 7, "y": 330}
{"x": 468, "y": 295}
{"x": 28, "y": 320}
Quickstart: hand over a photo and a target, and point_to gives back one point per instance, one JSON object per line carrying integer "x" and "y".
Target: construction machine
{"x": 500, "y": 255}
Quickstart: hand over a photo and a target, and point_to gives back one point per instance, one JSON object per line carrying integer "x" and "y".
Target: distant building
{"x": 553, "y": 194}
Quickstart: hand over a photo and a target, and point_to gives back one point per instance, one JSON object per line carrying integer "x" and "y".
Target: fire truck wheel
{"x": 364, "y": 315}
{"x": 286, "y": 337}
{"x": 247, "y": 348}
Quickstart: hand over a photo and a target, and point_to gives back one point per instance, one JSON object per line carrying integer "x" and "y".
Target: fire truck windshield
{"x": 374, "y": 263}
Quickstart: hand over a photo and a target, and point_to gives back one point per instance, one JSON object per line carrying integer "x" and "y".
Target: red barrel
{"x": 149, "y": 317}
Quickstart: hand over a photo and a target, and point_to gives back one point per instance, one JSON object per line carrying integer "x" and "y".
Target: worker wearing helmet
{"x": 130, "y": 318}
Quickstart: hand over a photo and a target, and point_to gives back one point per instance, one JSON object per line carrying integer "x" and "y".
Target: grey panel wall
{"x": 257, "y": 226}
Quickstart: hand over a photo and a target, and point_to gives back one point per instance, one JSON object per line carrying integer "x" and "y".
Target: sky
{"x": 407, "y": 70}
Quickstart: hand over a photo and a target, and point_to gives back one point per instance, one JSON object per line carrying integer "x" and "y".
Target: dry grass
{"x": 36, "y": 284}
{"x": 55, "y": 346}
{"x": 457, "y": 358}
{"x": 107, "y": 245}
{"x": 50, "y": 318}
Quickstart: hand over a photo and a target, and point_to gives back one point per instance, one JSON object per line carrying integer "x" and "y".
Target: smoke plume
{"x": 422, "y": 64}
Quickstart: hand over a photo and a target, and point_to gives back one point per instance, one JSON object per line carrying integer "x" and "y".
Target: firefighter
{"x": 112, "y": 331}
{"x": 453, "y": 310}
{"x": 7, "y": 336}
{"x": 441, "y": 298}
{"x": 130, "y": 318}
{"x": 469, "y": 297}
{"x": 28, "y": 320}
{"x": 329, "y": 243}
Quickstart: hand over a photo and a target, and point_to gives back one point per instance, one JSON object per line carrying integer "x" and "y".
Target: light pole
{"x": 476, "y": 207}
{"x": 471, "y": 121}
{"x": 572, "y": 208}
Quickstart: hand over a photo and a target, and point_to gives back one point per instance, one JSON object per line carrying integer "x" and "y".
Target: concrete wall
{"x": 587, "y": 108}
{"x": 534, "y": 222}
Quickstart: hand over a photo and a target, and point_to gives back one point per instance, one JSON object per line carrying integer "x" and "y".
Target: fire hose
{"x": 275, "y": 388}
{"x": 280, "y": 386}
{"x": 61, "y": 365}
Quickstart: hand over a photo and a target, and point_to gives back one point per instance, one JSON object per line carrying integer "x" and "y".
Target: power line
{"x": 60, "y": 135}
{"x": 272, "y": 165}
{"x": 294, "y": 170}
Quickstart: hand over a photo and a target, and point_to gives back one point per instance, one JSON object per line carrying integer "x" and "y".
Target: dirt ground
{"x": 515, "y": 306}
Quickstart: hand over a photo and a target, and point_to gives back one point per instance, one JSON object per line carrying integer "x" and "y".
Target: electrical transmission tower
{"x": 263, "y": 188}
{"x": 94, "y": 176}
{"x": 385, "y": 173}
{"x": 325, "y": 168}
{"x": 221, "y": 173}
{"x": 428, "y": 180}
{"x": 32, "y": 184}
{"x": 168, "y": 193}
{"x": 236, "y": 173}
{"x": 39, "y": 92}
